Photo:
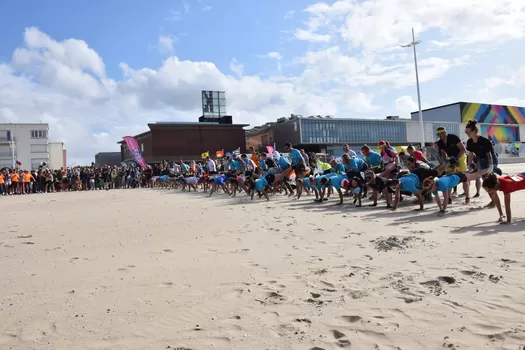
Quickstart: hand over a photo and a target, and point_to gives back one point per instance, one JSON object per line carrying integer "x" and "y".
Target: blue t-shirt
{"x": 283, "y": 163}
{"x": 260, "y": 184}
{"x": 356, "y": 164}
{"x": 374, "y": 159}
{"x": 236, "y": 165}
{"x": 340, "y": 168}
{"x": 262, "y": 164}
{"x": 219, "y": 180}
{"x": 184, "y": 167}
{"x": 307, "y": 184}
{"x": 296, "y": 157}
{"x": 446, "y": 183}
{"x": 410, "y": 183}
{"x": 335, "y": 181}
{"x": 164, "y": 178}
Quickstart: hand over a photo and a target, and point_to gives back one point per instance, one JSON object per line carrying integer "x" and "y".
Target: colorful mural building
{"x": 500, "y": 123}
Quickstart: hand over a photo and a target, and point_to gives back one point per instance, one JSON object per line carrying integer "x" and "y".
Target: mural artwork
{"x": 492, "y": 114}
{"x": 499, "y": 133}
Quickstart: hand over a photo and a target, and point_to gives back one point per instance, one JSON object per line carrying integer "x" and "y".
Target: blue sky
{"x": 122, "y": 30}
{"x": 99, "y": 70}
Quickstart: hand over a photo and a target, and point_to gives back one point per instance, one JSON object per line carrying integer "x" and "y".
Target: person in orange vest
{"x": 2, "y": 184}
{"x": 14, "y": 181}
{"x": 255, "y": 157}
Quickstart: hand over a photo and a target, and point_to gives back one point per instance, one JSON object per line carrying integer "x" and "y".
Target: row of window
{"x": 39, "y": 134}
{"x": 352, "y": 131}
{"x": 5, "y": 135}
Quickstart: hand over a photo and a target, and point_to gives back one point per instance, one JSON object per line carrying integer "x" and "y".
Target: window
{"x": 5, "y": 135}
{"x": 36, "y": 162}
{"x": 5, "y": 152}
{"x": 352, "y": 131}
{"x": 38, "y": 148}
{"x": 39, "y": 134}
{"x": 142, "y": 147}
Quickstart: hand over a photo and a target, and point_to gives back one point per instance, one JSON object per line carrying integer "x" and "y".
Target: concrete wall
{"x": 450, "y": 113}
{"x": 56, "y": 155}
{"x": 31, "y": 144}
{"x": 108, "y": 158}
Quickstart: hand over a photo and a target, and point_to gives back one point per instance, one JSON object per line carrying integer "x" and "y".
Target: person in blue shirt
{"x": 262, "y": 164}
{"x": 445, "y": 185}
{"x": 260, "y": 185}
{"x": 334, "y": 182}
{"x": 218, "y": 181}
{"x": 309, "y": 184}
{"x": 184, "y": 167}
{"x": 409, "y": 183}
{"x": 355, "y": 165}
{"x": 373, "y": 159}
{"x": 298, "y": 166}
{"x": 337, "y": 167}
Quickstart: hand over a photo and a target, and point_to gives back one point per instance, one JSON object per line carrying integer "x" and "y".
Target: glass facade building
{"x": 213, "y": 104}
{"x": 330, "y": 131}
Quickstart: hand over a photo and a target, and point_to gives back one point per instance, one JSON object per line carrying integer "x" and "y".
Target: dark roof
{"x": 145, "y": 133}
{"x": 447, "y": 105}
{"x": 104, "y": 153}
{"x": 182, "y": 124}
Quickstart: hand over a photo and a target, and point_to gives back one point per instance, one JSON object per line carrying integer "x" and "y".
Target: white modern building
{"x": 29, "y": 145}
{"x": 57, "y": 155}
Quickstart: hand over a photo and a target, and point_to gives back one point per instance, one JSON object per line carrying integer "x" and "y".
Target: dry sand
{"x": 150, "y": 269}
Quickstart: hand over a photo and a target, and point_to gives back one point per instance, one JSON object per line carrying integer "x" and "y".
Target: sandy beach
{"x": 157, "y": 269}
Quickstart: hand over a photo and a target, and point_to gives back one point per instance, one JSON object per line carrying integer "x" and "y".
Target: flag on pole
{"x": 219, "y": 153}
{"x": 205, "y": 154}
{"x": 135, "y": 151}
{"x": 270, "y": 149}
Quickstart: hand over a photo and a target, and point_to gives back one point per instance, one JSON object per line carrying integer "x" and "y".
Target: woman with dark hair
{"x": 480, "y": 147}
{"x": 417, "y": 154}
{"x": 506, "y": 184}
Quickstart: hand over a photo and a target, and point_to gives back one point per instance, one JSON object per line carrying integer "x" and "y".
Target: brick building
{"x": 186, "y": 141}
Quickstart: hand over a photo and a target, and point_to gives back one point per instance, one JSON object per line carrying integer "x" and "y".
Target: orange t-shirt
{"x": 14, "y": 177}
{"x": 2, "y": 180}
{"x": 27, "y": 177}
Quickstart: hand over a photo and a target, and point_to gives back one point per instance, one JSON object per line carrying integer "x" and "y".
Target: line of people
{"x": 379, "y": 175}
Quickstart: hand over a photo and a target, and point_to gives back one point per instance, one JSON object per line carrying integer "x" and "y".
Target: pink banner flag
{"x": 270, "y": 149}
{"x": 133, "y": 147}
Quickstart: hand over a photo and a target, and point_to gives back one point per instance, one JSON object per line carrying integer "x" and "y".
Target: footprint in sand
{"x": 303, "y": 320}
{"x": 126, "y": 268}
{"x": 29, "y": 236}
{"x": 341, "y": 338}
{"x": 28, "y": 243}
{"x": 352, "y": 319}
{"x": 167, "y": 251}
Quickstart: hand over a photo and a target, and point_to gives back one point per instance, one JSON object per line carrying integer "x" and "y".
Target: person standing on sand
{"x": 480, "y": 147}
{"x": 450, "y": 146}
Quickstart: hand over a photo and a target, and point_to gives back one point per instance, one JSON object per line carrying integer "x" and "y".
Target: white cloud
{"x": 206, "y": 8}
{"x": 381, "y": 24}
{"x": 306, "y": 35}
{"x": 236, "y": 67}
{"x": 289, "y": 14}
{"x": 405, "y": 105}
{"x": 515, "y": 78}
{"x": 275, "y": 55}
{"x": 166, "y": 43}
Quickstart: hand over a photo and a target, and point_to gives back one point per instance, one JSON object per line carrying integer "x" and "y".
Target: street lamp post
{"x": 12, "y": 145}
{"x": 422, "y": 126}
